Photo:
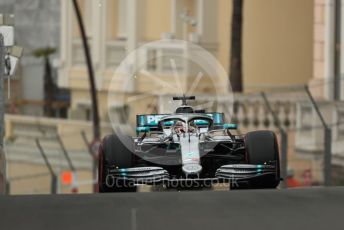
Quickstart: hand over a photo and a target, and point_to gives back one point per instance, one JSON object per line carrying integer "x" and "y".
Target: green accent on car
{"x": 230, "y": 126}
{"x": 142, "y": 129}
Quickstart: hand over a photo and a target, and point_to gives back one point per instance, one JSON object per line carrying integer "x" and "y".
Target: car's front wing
{"x": 233, "y": 173}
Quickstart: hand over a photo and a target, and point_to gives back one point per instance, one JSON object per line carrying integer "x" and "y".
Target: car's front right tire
{"x": 113, "y": 153}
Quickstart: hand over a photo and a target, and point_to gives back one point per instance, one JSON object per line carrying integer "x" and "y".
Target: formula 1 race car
{"x": 186, "y": 150}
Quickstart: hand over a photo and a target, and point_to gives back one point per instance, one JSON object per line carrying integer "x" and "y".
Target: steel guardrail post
{"x": 70, "y": 163}
{"x": 328, "y": 157}
{"x": 54, "y": 181}
{"x": 94, "y": 158}
{"x": 2, "y": 111}
{"x": 327, "y": 141}
{"x": 65, "y": 153}
{"x": 2, "y": 103}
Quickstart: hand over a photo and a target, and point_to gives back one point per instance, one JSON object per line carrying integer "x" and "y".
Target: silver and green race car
{"x": 186, "y": 150}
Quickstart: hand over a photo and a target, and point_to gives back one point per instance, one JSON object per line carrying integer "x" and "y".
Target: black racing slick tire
{"x": 113, "y": 152}
{"x": 262, "y": 148}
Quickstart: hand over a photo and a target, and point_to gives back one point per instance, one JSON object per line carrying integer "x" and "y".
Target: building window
{"x": 78, "y": 57}
{"x": 119, "y": 114}
{"x": 117, "y": 22}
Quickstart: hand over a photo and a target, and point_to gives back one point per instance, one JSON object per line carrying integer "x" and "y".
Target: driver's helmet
{"x": 179, "y": 124}
{"x": 179, "y": 127}
{"x": 192, "y": 126}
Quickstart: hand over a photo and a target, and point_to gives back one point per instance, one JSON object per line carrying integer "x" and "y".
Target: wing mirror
{"x": 230, "y": 126}
{"x": 142, "y": 129}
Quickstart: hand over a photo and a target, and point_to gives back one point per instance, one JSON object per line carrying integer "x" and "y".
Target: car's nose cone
{"x": 192, "y": 169}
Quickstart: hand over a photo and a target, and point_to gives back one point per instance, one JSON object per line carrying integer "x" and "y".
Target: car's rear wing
{"x": 151, "y": 121}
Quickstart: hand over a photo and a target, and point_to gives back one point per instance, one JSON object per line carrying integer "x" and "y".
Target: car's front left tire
{"x": 262, "y": 148}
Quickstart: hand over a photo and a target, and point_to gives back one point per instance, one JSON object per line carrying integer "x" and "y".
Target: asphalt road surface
{"x": 308, "y": 209}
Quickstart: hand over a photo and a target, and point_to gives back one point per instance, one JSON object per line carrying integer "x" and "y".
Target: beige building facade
{"x": 277, "y": 42}
{"x": 326, "y": 26}
{"x": 328, "y": 66}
